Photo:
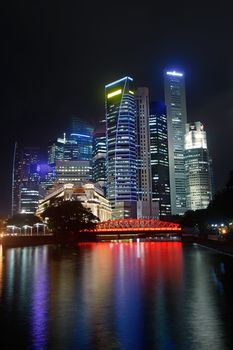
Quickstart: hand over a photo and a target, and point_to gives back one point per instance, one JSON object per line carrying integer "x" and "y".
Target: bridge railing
{"x": 137, "y": 225}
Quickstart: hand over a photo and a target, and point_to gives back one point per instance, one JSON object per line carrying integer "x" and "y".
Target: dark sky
{"x": 56, "y": 57}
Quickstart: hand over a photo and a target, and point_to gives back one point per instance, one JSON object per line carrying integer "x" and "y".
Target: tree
{"x": 68, "y": 218}
{"x": 221, "y": 207}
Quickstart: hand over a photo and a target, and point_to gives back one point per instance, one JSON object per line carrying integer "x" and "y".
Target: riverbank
{"x": 25, "y": 241}
{"x": 34, "y": 240}
{"x": 220, "y": 246}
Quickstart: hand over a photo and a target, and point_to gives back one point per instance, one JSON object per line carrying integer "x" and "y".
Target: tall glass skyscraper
{"x": 159, "y": 159}
{"x": 197, "y": 167}
{"x": 144, "y": 209}
{"x": 121, "y": 148}
{"x": 16, "y": 180}
{"x": 81, "y": 133}
{"x": 99, "y": 155}
{"x": 56, "y": 151}
{"x": 175, "y": 101}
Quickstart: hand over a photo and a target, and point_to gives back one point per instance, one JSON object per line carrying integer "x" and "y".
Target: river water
{"x": 116, "y": 296}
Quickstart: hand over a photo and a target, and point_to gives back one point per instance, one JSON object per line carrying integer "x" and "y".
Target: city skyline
{"x": 68, "y": 142}
{"x": 139, "y": 140}
{"x": 54, "y": 67}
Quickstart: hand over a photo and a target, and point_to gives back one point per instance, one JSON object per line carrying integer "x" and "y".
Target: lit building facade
{"x": 16, "y": 180}
{"x": 81, "y": 135}
{"x": 89, "y": 195}
{"x": 99, "y": 156}
{"x": 197, "y": 167}
{"x": 69, "y": 158}
{"x": 79, "y": 171}
{"x": 175, "y": 100}
{"x": 56, "y": 151}
{"x": 144, "y": 200}
{"x": 29, "y": 199}
{"x": 47, "y": 178}
{"x": 25, "y": 180}
{"x": 121, "y": 148}
{"x": 159, "y": 159}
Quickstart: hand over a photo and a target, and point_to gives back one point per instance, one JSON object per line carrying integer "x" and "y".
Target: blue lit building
{"x": 56, "y": 151}
{"x": 121, "y": 148}
{"x": 63, "y": 149}
{"x": 47, "y": 178}
{"x": 159, "y": 159}
{"x": 69, "y": 158}
{"x": 25, "y": 181}
{"x": 81, "y": 135}
{"x": 74, "y": 145}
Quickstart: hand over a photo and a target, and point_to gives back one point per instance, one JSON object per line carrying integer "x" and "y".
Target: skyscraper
{"x": 175, "y": 101}
{"x": 159, "y": 159}
{"x": 143, "y": 153}
{"x": 81, "y": 133}
{"x": 69, "y": 158}
{"x": 25, "y": 182}
{"x": 197, "y": 167}
{"x": 121, "y": 148}
{"x": 99, "y": 155}
{"x": 16, "y": 180}
{"x": 56, "y": 151}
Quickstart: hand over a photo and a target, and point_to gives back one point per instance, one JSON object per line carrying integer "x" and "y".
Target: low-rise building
{"x": 89, "y": 195}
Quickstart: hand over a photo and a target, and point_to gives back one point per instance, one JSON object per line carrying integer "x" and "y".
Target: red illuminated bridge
{"x": 135, "y": 229}
{"x": 136, "y": 226}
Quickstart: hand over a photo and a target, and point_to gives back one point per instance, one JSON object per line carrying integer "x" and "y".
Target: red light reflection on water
{"x": 153, "y": 259}
{"x": 129, "y": 279}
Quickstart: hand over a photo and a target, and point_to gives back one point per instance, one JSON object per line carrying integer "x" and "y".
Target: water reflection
{"x": 39, "y": 301}
{"x": 1, "y": 268}
{"x": 116, "y": 296}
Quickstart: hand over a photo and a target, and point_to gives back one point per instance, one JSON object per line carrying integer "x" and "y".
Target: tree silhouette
{"x": 221, "y": 207}
{"x": 67, "y": 218}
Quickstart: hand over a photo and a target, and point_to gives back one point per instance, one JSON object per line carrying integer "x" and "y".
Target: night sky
{"x": 57, "y": 57}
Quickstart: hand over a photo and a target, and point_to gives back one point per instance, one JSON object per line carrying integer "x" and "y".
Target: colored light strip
{"x": 136, "y": 229}
{"x": 174, "y": 73}
{"x": 118, "y": 81}
{"x": 114, "y": 93}
{"x": 82, "y": 135}
{"x": 131, "y": 92}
